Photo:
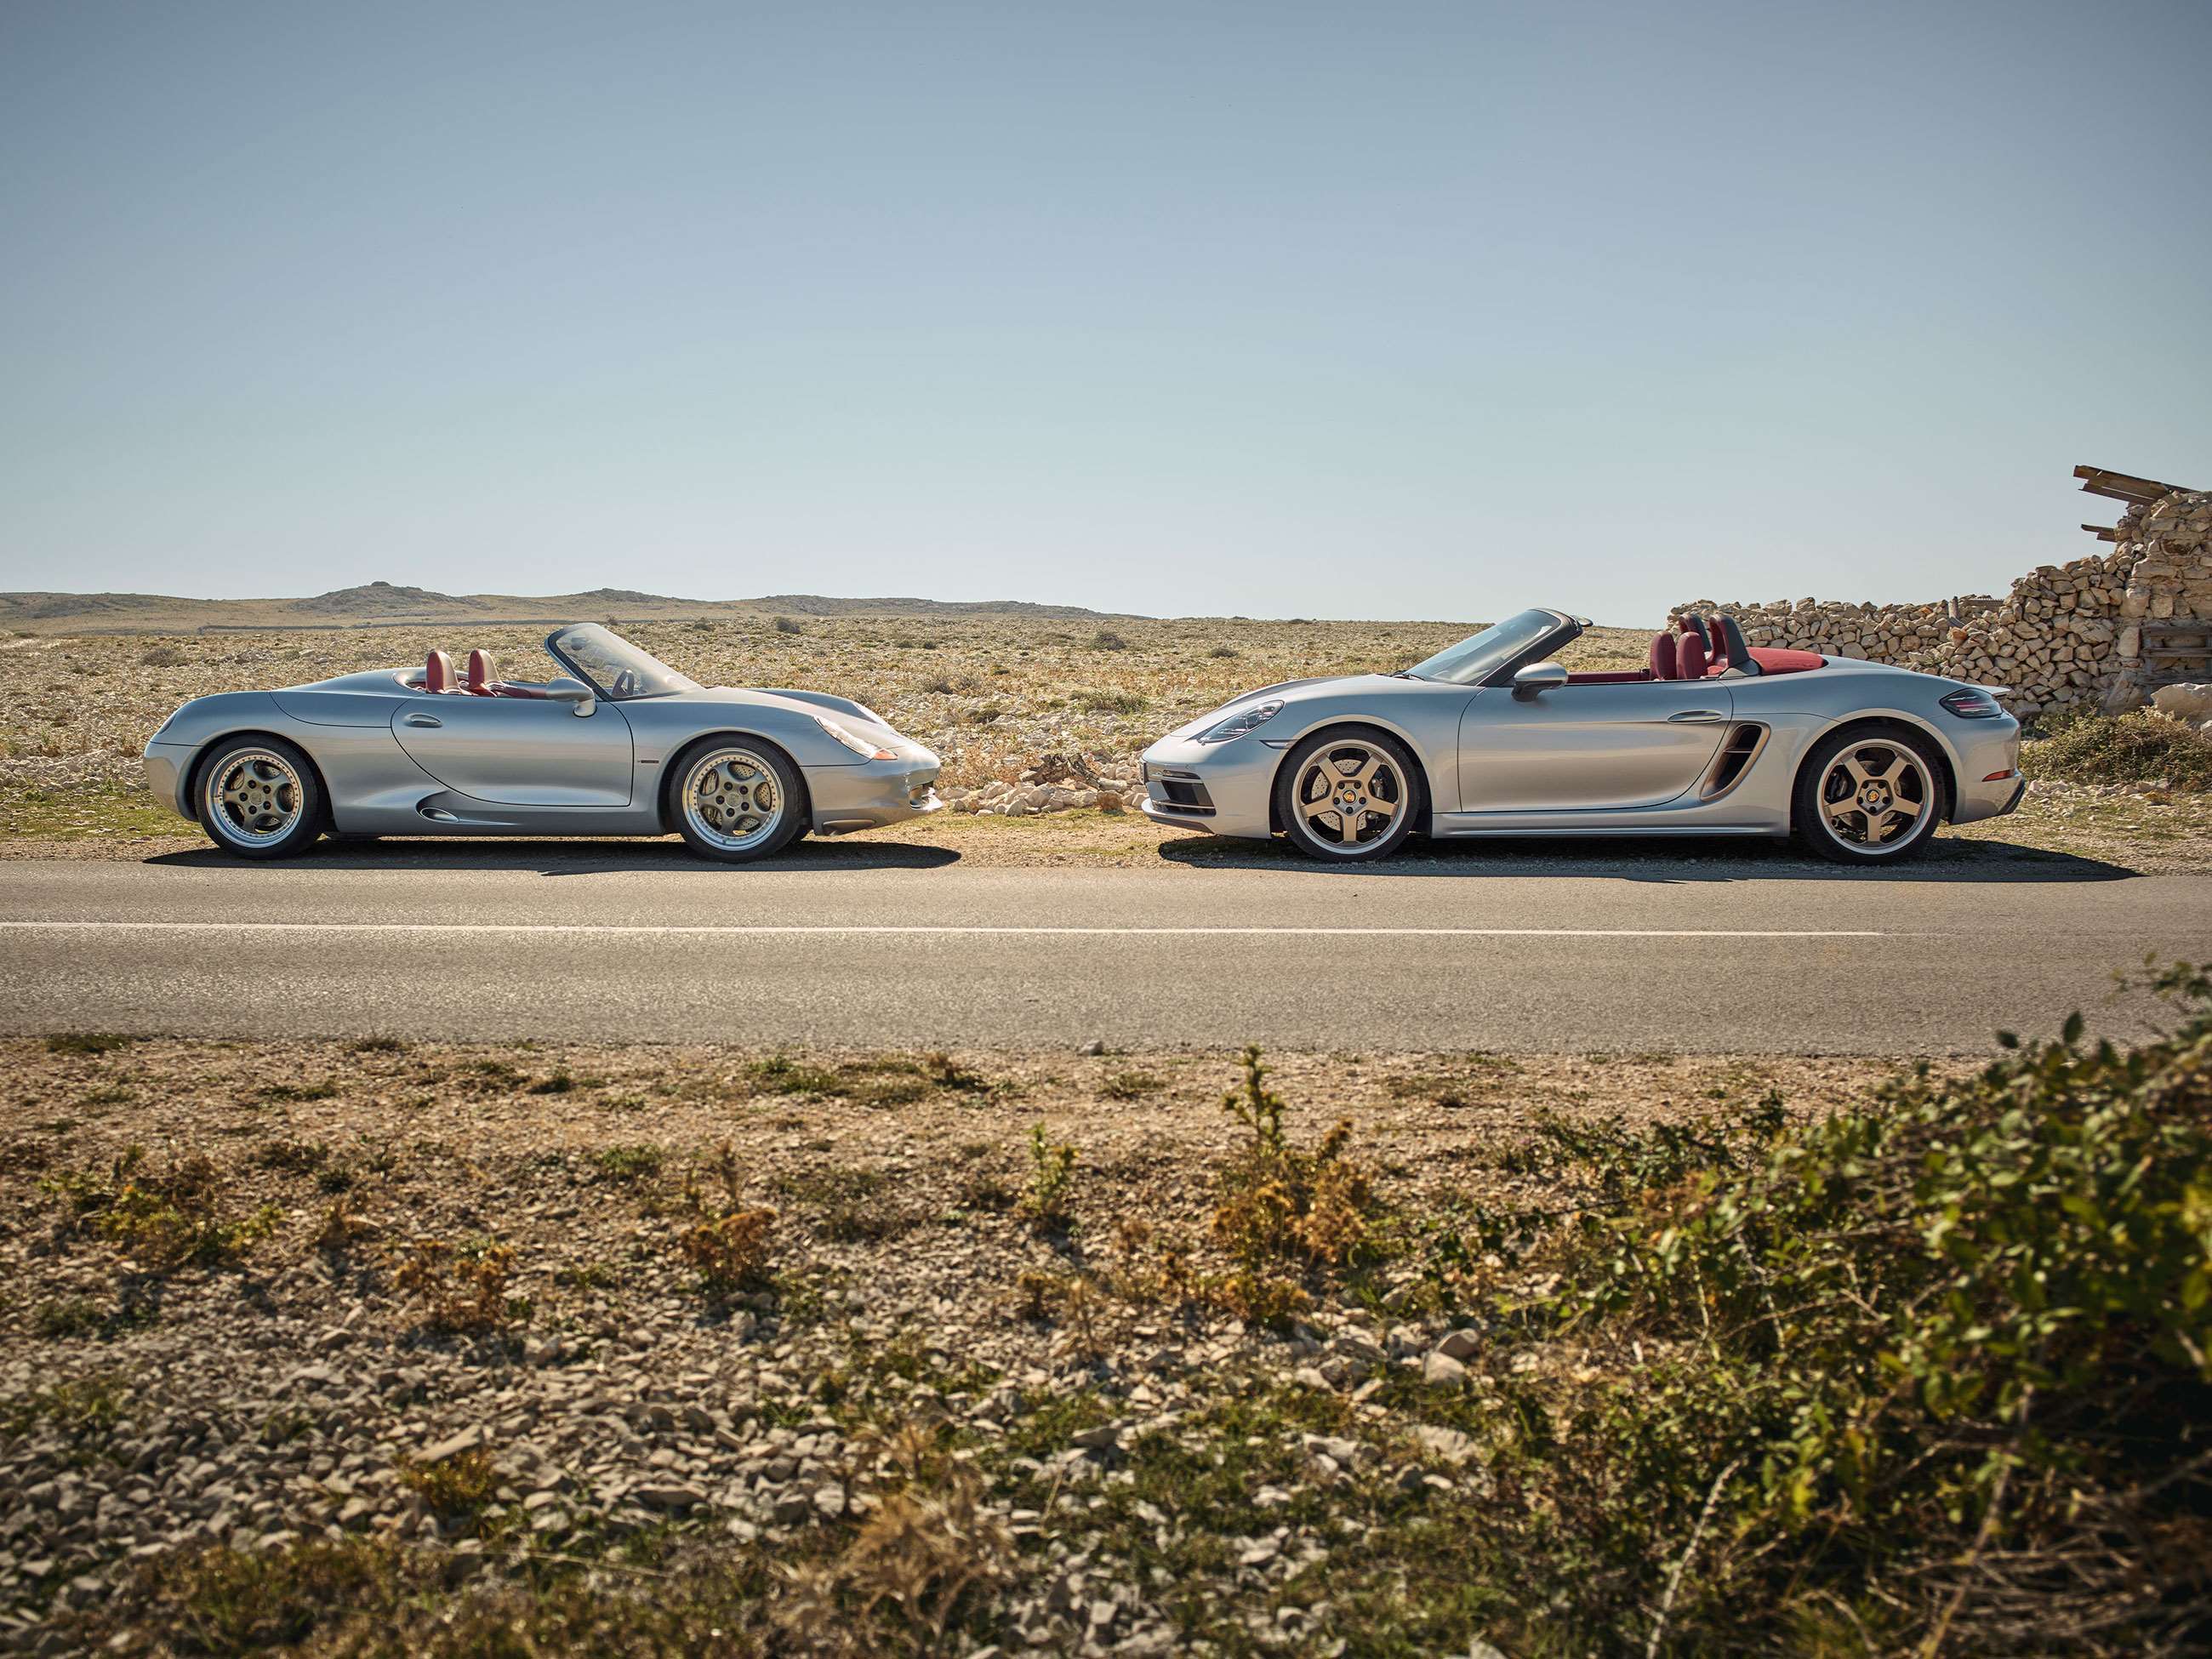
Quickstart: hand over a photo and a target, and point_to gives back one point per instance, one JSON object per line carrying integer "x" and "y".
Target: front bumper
{"x": 165, "y": 774}
{"x": 874, "y": 793}
{"x": 1222, "y": 788}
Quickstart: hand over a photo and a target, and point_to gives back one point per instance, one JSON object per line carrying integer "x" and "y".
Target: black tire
{"x": 259, "y": 798}
{"x": 1831, "y": 818}
{"x": 788, "y": 794}
{"x": 1396, "y": 784}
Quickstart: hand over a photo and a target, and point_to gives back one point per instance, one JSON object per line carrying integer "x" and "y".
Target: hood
{"x": 798, "y": 702}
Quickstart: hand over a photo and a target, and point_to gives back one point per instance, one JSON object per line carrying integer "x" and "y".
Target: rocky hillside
{"x": 374, "y": 603}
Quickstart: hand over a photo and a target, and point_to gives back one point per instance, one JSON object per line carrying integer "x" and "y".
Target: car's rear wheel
{"x": 737, "y": 799}
{"x": 258, "y": 797}
{"x": 1348, "y": 797}
{"x": 1873, "y": 796}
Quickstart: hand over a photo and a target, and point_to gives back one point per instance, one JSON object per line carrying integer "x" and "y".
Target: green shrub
{"x": 1112, "y": 702}
{"x": 87, "y": 1042}
{"x": 66, "y": 1316}
{"x": 1935, "y": 1369}
{"x": 1052, "y": 1173}
{"x": 2144, "y": 746}
{"x": 1282, "y": 1204}
{"x": 634, "y": 1161}
{"x": 461, "y": 1289}
{"x": 178, "y": 1218}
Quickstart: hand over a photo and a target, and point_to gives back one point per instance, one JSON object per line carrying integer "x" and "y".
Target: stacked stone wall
{"x": 2069, "y": 637}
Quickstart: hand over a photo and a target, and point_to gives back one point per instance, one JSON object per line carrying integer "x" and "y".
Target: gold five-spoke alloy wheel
{"x": 1350, "y": 794}
{"x": 1876, "y": 794}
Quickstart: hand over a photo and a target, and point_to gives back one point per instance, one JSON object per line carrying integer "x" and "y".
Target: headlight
{"x": 1242, "y": 721}
{"x": 860, "y": 747}
{"x": 1972, "y": 702}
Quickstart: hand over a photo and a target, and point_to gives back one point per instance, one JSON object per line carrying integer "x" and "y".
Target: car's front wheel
{"x": 258, "y": 797}
{"x": 1348, "y": 796}
{"x": 737, "y": 799}
{"x": 1873, "y": 796}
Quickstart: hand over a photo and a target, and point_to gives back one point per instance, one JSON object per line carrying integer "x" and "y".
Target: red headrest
{"x": 483, "y": 675}
{"x": 1691, "y": 624}
{"x": 438, "y": 672}
{"x": 1689, "y": 658}
{"x": 1663, "y": 659}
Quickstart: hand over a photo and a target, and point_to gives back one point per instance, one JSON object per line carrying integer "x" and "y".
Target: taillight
{"x": 1971, "y": 702}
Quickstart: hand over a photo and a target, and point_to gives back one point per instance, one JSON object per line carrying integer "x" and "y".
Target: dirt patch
{"x": 431, "y": 1327}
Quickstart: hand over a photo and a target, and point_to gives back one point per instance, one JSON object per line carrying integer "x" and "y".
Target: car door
{"x": 519, "y": 751}
{"x": 1590, "y": 747}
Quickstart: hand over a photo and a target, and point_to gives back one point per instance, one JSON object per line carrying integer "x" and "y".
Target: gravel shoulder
{"x": 2128, "y": 830}
{"x": 388, "y": 1347}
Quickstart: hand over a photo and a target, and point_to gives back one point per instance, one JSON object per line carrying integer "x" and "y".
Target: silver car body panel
{"x": 1621, "y": 757}
{"x": 395, "y": 759}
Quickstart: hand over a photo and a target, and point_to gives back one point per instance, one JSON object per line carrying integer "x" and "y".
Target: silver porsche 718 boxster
{"x": 615, "y": 744}
{"x": 1860, "y": 760}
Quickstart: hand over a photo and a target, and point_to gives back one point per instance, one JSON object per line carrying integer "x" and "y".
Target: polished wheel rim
{"x": 255, "y": 796}
{"x": 732, "y": 800}
{"x": 1351, "y": 795}
{"x": 1875, "y": 795}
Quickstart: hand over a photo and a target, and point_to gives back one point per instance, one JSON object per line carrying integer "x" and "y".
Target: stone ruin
{"x": 2101, "y": 633}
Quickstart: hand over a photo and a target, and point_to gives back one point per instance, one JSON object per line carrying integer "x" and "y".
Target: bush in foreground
{"x": 1935, "y": 1373}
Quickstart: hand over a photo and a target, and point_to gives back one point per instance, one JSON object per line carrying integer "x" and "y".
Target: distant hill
{"x": 381, "y": 603}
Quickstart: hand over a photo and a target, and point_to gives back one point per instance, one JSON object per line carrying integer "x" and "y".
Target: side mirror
{"x": 1537, "y": 677}
{"x": 582, "y": 699}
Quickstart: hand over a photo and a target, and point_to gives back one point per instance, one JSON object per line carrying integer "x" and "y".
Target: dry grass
{"x": 991, "y": 695}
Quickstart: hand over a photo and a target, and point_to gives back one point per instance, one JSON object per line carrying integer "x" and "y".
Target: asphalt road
{"x": 550, "y": 941}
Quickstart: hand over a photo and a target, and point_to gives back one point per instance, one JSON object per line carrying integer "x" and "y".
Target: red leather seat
{"x": 1664, "y": 662}
{"x": 1690, "y": 656}
{"x": 438, "y": 672}
{"x": 483, "y": 679}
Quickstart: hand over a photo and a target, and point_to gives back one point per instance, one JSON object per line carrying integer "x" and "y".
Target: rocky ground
{"x": 997, "y": 697}
{"x": 1036, "y": 717}
{"x": 408, "y": 1348}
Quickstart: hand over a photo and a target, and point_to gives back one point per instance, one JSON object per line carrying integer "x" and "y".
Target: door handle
{"x": 1696, "y": 717}
{"x": 424, "y": 720}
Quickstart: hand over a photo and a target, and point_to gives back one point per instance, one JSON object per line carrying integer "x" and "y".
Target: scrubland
{"x": 993, "y": 694}
{"x": 996, "y": 696}
{"x": 396, "y": 1348}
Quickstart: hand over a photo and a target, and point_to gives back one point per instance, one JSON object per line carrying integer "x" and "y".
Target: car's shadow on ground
{"x": 1715, "y": 859}
{"x": 554, "y": 857}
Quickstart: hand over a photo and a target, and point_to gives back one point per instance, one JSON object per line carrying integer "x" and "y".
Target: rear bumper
{"x": 1982, "y": 795}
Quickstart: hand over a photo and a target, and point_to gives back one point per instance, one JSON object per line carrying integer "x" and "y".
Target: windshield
{"x": 1478, "y": 656}
{"x": 614, "y": 667}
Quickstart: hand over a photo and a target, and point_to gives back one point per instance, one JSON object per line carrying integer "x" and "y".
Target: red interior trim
{"x": 1775, "y": 659}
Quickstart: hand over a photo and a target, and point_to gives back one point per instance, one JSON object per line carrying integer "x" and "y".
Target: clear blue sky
{"x": 1370, "y": 310}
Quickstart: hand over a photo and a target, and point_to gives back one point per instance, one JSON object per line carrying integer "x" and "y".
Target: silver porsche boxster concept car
{"x": 1860, "y": 760}
{"x": 615, "y": 744}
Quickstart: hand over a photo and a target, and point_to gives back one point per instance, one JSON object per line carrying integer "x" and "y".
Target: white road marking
{"x": 753, "y": 929}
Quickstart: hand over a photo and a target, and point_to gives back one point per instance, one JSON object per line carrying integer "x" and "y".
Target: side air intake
{"x": 1737, "y": 750}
